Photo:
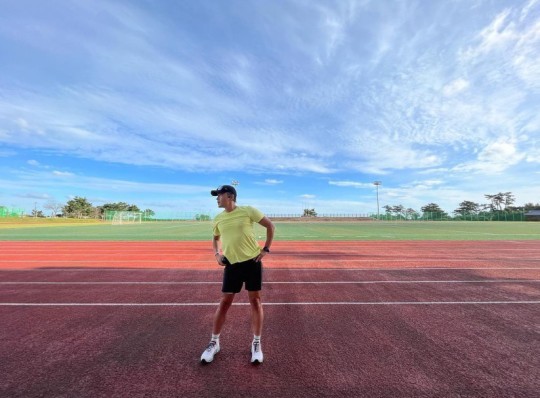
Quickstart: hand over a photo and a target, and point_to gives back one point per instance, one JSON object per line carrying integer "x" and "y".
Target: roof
{"x": 533, "y": 213}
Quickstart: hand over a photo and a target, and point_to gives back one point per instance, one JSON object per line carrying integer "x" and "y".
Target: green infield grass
{"x": 74, "y": 230}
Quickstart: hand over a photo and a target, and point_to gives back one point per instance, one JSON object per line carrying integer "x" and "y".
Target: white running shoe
{"x": 211, "y": 350}
{"x": 256, "y": 352}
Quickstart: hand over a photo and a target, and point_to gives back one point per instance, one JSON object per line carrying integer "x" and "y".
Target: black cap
{"x": 223, "y": 189}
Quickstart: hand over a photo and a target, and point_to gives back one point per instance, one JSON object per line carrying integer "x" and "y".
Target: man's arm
{"x": 215, "y": 246}
{"x": 265, "y": 222}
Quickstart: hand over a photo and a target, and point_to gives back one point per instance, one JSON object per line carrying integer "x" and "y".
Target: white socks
{"x": 215, "y": 337}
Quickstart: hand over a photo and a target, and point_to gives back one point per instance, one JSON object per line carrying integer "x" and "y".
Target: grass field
{"x": 200, "y": 230}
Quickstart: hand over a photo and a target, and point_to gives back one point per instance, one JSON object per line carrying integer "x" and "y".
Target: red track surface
{"x": 343, "y": 319}
{"x": 199, "y": 255}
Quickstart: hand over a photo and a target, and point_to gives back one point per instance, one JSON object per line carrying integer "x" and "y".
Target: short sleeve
{"x": 255, "y": 215}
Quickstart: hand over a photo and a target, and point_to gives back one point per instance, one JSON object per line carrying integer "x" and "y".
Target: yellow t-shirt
{"x": 236, "y": 231}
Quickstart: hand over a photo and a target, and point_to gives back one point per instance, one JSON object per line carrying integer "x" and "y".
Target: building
{"x": 532, "y": 215}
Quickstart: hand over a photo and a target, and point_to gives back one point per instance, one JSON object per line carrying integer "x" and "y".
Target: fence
{"x": 297, "y": 216}
{"x": 209, "y": 215}
{"x": 123, "y": 217}
{"x": 111, "y": 215}
{"x": 13, "y": 212}
{"x": 485, "y": 216}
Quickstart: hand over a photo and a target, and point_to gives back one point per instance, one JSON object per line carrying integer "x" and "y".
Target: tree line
{"x": 502, "y": 202}
{"x": 80, "y": 207}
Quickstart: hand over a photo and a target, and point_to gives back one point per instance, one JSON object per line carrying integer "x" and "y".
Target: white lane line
{"x": 366, "y": 303}
{"x": 296, "y": 258}
{"x": 268, "y": 282}
{"x": 267, "y": 269}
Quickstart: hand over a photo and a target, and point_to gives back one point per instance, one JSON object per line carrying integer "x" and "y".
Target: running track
{"x": 366, "y": 319}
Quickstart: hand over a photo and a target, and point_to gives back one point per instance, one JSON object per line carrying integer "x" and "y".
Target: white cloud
{"x": 271, "y": 181}
{"x": 533, "y": 155}
{"x": 499, "y": 33}
{"x": 353, "y": 184}
{"x": 38, "y": 196}
{"x": 377, "y": 154}
{"x": 514, "y": 37}
{"x": 62, "y": 173}
{"x": 527, "y": 9}
{"x": 23, "y": 124}
{"x": 494, "y": 158}
{"x": 455, "y": 87}
{"x": 183, "y": 139}
{"x": 502, "y": 151}
{"x": 24, "y": 183}
{"x": 526, "y": 58}
{"x": 427, "y": 184}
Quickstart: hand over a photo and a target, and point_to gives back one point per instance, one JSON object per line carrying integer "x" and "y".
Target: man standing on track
{"x": 241, "y": 256}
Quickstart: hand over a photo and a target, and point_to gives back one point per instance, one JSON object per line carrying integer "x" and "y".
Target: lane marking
{"x": 267, "y": 268}
{"x": 365, "y": 303}
{"x": 298, "y": 258}
{"x": 265, "y": 282}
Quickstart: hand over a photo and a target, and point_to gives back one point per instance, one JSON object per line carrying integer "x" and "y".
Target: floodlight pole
{"x": 377, "y": 183}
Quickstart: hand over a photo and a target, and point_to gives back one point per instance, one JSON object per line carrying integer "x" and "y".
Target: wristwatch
{"x": 266, "y": 249}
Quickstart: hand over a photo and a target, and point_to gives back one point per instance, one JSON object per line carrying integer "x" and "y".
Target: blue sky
{"x": 304, "y": 102}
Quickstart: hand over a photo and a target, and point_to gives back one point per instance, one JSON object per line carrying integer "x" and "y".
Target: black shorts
{"x": 236, "y": 274}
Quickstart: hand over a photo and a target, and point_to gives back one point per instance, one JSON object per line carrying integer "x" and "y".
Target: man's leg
{"x": 257, "y": 314}
{"x": 257, "y": 318}
{"x": 219, "y": 319}
{"x": 221, "y": 312}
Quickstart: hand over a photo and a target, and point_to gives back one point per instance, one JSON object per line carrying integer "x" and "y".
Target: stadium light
{"x": 235, "y": 183}
{"x": 377, "y": 183}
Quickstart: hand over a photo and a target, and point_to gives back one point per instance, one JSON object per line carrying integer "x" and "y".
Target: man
{"x": 241, "y": 256}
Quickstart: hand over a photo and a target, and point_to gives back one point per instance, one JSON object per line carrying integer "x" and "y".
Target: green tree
{"x": 412, "y": 214}
{"x": 118, "y": 206}
{"x": 37, "y": 213}
{"x": 500, "y": 201}
{"x": 148, "y": 214}
{"x": 309, "y": 213}
{"x": 531, "y": 206}
{"x": 432, "y": 211}
{"x": 398, "y": 210}
{"x": 467, "y": 208}
{"x": 78, "y": 207}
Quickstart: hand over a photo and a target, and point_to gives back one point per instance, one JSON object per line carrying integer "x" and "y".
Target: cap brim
{"x": 214, "y": 192}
